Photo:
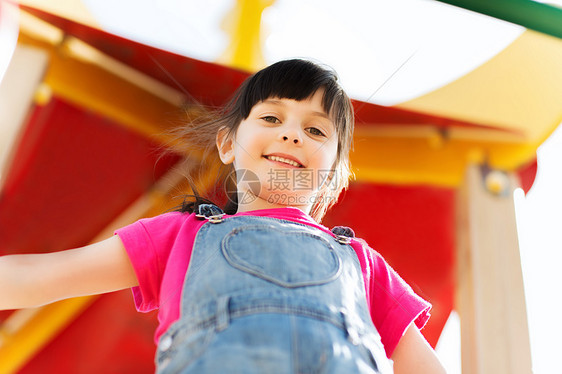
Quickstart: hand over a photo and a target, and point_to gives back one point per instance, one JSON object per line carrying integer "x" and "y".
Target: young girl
{"x": 264, "y": 288}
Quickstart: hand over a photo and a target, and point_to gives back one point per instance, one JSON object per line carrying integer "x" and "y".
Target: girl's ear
{"x": 225, "y": 146}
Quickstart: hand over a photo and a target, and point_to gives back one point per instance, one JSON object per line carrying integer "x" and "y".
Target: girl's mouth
{"x": 284, "y": 161}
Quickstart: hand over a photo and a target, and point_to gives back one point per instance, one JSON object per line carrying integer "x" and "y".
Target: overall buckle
{"x": 210, "y": 212}
{"x": 343, "y": 234}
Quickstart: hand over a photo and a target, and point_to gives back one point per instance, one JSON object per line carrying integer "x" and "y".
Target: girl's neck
{"x": 259, "y": 204}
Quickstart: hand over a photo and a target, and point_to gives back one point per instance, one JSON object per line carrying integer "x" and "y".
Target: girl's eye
{"x": 315, "y": 131}
{"x": 271, "y": 119}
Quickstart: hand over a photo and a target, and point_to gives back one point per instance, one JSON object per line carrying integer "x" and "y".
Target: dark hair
{"x": 289, "y": 79}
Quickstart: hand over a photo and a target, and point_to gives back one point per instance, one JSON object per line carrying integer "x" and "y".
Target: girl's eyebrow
{"x": 314, "y": 112}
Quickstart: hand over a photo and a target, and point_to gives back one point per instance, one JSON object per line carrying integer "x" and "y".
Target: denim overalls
{"x": 265, "y": 295}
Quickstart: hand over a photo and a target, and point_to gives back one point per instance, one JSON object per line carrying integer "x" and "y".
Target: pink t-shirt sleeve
{"x": 394, "y": 305}
{"x": 148, "y": 261}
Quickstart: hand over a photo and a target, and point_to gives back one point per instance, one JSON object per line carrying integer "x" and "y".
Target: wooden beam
{"x": 89, "y": 79}
{"x": 490, "y": 293}
{"x": 428, "y": 157}
{"x": 17, "y": 91}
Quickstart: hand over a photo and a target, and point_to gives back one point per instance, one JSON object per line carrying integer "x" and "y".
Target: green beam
{"x": 527, "y": 13}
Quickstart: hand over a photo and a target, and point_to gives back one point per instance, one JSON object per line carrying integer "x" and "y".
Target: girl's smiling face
{"x": 289, "y": 145}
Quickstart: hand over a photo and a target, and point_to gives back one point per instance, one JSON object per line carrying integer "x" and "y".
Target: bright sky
{"x": 539, "y": 220}
{"x": 366, "y": 42}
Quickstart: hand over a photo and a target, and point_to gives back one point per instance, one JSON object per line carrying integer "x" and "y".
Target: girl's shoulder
{"x": 165, "y": 224}
{"x": 167, "y": 218}
{"x": 363, "y": 243}
{"x": 368, "y": 253}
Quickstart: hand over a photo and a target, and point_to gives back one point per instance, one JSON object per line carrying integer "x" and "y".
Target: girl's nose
{"x": 295, "y": 140}
{"x": 291, "y": 135}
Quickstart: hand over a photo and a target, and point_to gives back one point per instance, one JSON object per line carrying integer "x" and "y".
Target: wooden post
{"x": 490, "y": 293}
{"x": 17, "y": 90}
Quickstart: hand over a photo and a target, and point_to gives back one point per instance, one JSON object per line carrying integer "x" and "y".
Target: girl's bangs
{"x": 296, "y": 82}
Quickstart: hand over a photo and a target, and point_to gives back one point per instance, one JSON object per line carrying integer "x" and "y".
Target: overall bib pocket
{"x": 297, "y": 258}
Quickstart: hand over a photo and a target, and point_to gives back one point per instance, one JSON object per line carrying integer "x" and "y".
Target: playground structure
{"x": 89, "y": 113}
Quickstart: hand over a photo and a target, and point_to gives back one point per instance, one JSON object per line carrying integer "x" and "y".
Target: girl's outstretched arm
{"x": 414, "y": 355}
{"x": 37, "y": 279}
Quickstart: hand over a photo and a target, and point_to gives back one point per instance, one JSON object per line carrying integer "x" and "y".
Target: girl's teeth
{"x": 284, "y": 160}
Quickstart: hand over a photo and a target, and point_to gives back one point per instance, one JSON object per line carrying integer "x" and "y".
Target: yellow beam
{"x": 431, "y": 158}
{"x": 243, "y": 24}
{"x": 17, "y": 348}
{"x": 89, "y": 79}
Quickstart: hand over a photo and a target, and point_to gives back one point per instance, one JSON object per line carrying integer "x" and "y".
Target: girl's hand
{"x": 414, "y": 355}
{"x": 36, "y": 279}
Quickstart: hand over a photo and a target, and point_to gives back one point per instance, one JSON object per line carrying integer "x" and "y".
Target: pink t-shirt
{"x": 160, "y": 249}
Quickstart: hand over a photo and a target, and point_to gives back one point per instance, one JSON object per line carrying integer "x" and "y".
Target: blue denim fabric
{"x": 264, "y": 295}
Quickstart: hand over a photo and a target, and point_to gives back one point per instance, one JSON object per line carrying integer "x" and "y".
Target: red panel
{"x": 73, "y": 173}
{"x": 413, "y": 227}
